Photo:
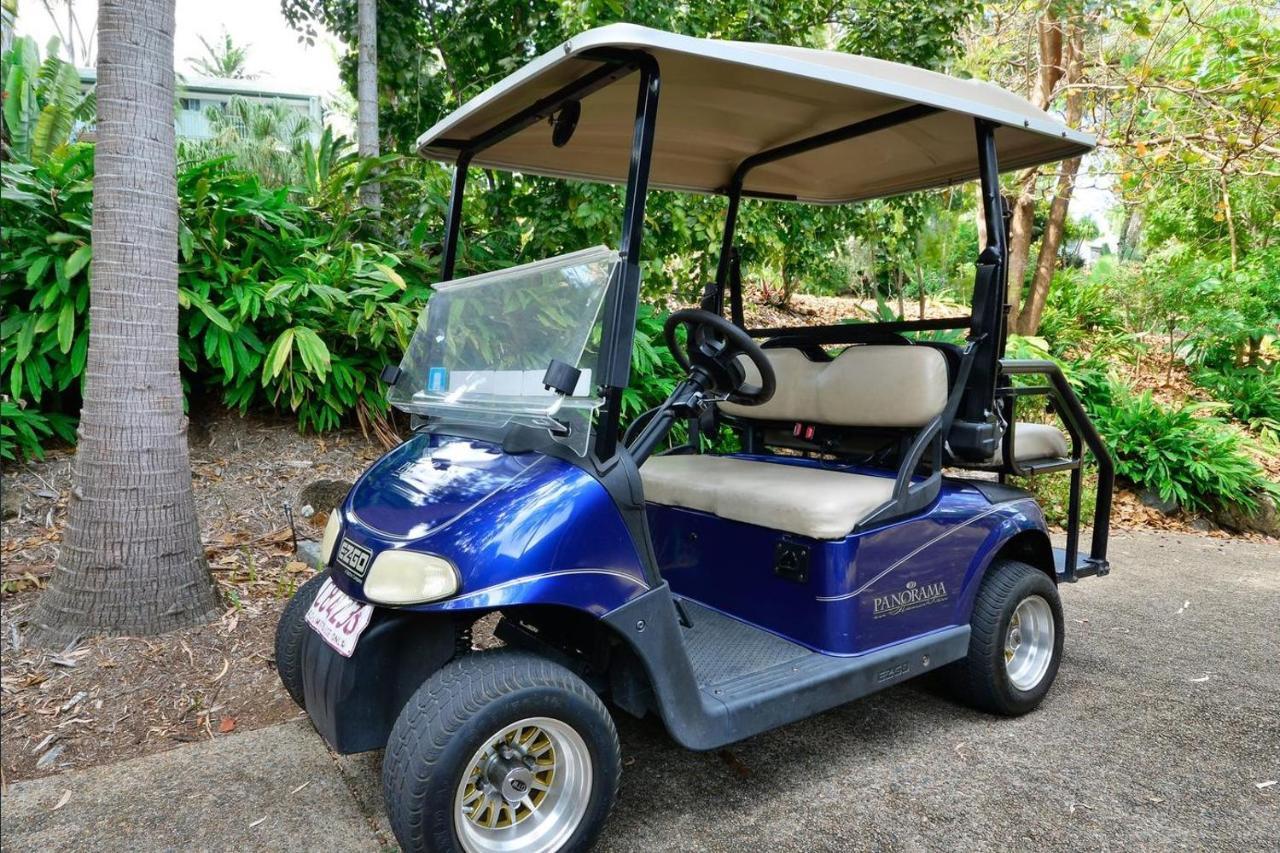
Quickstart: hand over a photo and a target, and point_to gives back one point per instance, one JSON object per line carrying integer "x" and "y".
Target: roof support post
{"x": 987, "y": 321}
{"x": 734, "y": 193}
{"x": 619, "y": 328}
{"x": 453, "y": 219}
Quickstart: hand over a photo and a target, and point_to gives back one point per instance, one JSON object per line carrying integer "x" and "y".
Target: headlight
{"x": 407, "y": 577}
{"x": 331, "y": 531}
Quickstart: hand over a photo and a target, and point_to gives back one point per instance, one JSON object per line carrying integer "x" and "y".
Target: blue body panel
{"x": 865, "y": 591}
{"x": 520, "y": 528}
{"x": 532, "y": 529}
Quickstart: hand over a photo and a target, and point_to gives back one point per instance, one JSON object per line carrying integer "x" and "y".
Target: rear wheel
{"x": 1015, "y": 641}
{"x": 501, "y": 751}
{"x": 289, "y": 633}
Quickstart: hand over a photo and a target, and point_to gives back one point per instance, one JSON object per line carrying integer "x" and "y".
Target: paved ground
{"x": 1163, "y": 723}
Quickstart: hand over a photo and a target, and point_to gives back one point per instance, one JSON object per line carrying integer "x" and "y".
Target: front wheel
{"x": 289, "y": 634}
{"x": 501, "y": 751}
{"x": 1015, "y": 641}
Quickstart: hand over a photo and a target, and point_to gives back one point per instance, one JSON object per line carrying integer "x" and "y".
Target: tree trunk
{"x": 1021, "y": 222}
{"x": 367, "y": 96}
{"x": 1049, "y": 71}
{"x": 1047, "y": 261}
{"x": 131, "y": 560}
{"x": 1071, "y": 68}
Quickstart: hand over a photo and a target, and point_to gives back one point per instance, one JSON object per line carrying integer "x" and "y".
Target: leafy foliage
{"x": 223, "y": 58}
{"x": 42, "y": 100}
{"x": 1180, "y": 452}
{"x": 1252, "y": 395}
{"x": 285, "y": 305}
{"x": 267, "y": 139}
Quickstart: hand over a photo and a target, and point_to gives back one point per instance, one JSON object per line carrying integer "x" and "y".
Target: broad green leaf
{"x": 79, "y": 258}
{"x": 66, "y": 326}
{"x": 390, "y": 275}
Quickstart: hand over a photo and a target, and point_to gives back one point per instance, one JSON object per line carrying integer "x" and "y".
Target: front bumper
{"x": 353, "y": 702}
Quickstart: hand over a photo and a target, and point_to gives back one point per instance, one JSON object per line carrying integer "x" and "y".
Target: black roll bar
{"x": 1076, "y": 419}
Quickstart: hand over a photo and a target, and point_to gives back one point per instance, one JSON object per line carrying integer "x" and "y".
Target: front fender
{"x": 551, "y": 534}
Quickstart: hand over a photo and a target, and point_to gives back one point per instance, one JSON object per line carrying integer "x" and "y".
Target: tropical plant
{"x": 1251, "y": 394}
{"x": 266, "y": 138}
{"x": 1184, "y": 453}
{"x": 223, "y": 59}
{"x": 43, "y": 101}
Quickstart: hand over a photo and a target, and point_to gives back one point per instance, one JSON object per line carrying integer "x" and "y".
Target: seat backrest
{"x": 865, "y": 386}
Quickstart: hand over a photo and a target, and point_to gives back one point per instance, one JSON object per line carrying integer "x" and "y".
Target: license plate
{"x": 338, "y": 618}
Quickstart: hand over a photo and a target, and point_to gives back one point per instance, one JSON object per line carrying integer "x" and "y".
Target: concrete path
{"x": 1161, "y": 732}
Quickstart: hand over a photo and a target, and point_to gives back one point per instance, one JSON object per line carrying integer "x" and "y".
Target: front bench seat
{"x": 814, "y": 502}
{"x": 893, "y": 387}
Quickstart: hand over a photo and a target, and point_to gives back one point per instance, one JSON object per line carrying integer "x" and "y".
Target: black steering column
{"x": 711, "y": 354}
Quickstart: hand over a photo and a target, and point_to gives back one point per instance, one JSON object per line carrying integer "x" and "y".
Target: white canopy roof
{"x": 723, "y": 101}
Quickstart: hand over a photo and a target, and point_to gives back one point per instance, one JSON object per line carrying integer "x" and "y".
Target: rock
{"x": 323, "y": 495}
{"x": 1152, "y": 499}
{"x": 11, "y": 501}
{"x": 309, "y": 553}
{"x": 1203, "y": 525}
{"x": 1264, "y": 520}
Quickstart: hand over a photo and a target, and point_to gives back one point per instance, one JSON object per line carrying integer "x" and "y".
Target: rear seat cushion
{"x": 814, "y": 502}
{"x": 1036, "y": 441}
{"x": 864, "y": 386}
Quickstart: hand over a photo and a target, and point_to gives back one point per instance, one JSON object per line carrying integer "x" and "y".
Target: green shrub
{"x": 286, "y": 304}
{"x": 23, "y": 430}
{"x": 1053, "y": 493}
{"x": 1178, "y": 452}
{"x": 1252, "y": 394}
{"x": 1081, "y": 311}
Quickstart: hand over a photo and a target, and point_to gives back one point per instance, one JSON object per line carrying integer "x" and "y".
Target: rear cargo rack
{"x": 1069, "y": 563}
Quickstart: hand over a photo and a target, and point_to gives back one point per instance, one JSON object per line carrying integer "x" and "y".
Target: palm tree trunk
{"x": 131, "y": 560}
{"x": 367, "y": 95}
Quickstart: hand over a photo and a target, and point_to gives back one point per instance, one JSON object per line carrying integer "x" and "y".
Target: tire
{"x": 289, "y": 634}
{"x": 446, "y": 727}
{"x": 987, "y": 678}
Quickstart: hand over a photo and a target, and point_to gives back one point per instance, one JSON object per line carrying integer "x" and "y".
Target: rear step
{"x": 1085, "y": 567}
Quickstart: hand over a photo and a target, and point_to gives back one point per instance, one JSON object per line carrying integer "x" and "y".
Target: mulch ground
{"x": 101, "y": 700}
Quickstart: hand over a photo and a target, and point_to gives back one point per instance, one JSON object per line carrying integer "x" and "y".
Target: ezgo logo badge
{"x": 354, "y": 559}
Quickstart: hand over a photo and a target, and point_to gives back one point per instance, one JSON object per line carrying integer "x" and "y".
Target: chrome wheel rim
{"x": 1028, "y": 643}
{"x": 525, "y": 789}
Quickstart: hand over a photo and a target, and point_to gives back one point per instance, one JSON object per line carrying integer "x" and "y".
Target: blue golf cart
{"x": 865, "y": 534}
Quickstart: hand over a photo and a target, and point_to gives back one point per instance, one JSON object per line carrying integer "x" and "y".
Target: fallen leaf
{"x": 66, "y": 796}
{"x": 226, "y": 725}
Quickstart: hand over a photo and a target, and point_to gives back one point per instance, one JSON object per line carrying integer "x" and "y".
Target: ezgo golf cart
{"x": 727, "y": 594}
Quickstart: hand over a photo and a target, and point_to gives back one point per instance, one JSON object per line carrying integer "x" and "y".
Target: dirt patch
{"x": 105, "y": 699}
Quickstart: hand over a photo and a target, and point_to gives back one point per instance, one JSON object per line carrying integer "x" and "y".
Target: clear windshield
{"x": 483, "y": 345}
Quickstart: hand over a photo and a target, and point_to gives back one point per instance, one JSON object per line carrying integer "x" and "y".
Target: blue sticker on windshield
{"x": 438, "y": 379}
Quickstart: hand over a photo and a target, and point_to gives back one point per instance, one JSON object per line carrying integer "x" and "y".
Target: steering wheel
{"x": 714, "y": 345}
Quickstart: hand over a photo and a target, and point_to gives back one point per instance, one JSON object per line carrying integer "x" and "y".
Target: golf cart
{"x": 845, "y": 549}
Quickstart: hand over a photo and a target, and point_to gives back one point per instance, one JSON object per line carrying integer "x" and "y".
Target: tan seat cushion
{"x": 812, "y": 502}
{"x": 864, "y": 386}
{"x": 1036, "y": 441}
